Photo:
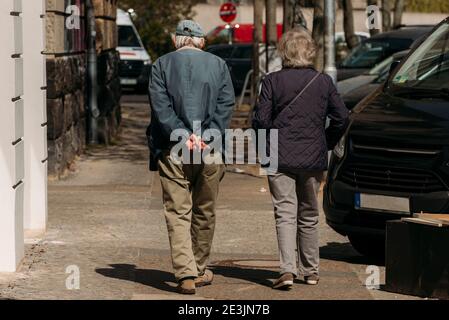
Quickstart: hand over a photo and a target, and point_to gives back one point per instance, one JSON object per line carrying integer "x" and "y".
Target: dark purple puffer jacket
{"x": 303, "y": 140}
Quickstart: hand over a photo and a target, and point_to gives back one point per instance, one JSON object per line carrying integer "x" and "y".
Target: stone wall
{"x": 108, "y": 70}
{"x": 66, "y": 81}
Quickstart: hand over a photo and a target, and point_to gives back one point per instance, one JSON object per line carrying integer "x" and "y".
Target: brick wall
{"x": 66, "y": 84}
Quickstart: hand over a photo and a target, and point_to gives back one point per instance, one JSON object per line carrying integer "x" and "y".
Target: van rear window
{"x": 127, "y": 37}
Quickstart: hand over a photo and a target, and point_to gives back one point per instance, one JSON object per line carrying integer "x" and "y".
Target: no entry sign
{"x": 228, "y": 12}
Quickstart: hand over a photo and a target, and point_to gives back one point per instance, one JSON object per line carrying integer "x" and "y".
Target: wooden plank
{"x": 429, "y": 222}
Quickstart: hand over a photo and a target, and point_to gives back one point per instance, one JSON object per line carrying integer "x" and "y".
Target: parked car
{"x": 377, "y": 48}
{"x": 241, "y": 33}
{"x": 353, "y": 90}
{"x": 135, "y": 62}
{"x": 394, "y": 158}
{"x": 238, "y": 57}
{"x": 341, "y": 46}
{"x": 340, "y": 36}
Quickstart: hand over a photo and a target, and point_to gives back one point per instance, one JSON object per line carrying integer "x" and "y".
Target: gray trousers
{"x": 296, "y": 212}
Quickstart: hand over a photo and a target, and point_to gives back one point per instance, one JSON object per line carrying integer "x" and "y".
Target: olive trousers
{"x": 190, "y": 193}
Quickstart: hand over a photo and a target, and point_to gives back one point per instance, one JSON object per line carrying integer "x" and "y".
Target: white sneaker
{"x": 312, "y": 279}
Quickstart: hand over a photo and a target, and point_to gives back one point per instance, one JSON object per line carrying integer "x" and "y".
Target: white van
{"x": 135, "y": 62}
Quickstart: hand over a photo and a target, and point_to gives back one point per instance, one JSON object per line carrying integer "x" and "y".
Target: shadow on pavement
{"x": 344, "y": 252}
{"x": 258, "y": 276}
{"x": 154, "y": 278}
{"x": 131, "y": 144}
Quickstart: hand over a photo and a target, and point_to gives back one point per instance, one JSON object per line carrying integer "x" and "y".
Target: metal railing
{"x": 245, "y": 89}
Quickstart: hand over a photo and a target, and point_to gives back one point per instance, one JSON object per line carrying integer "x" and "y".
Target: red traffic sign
{"x": 228, "y": 12}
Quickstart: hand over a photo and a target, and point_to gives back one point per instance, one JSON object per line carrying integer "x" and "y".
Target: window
{"x": 369, "y": 53}
{"x": 127, "y": 37}
{"x": 428, "y": 66}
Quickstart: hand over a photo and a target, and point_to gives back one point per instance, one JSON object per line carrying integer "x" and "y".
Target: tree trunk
{"x": 288, "y": 16}
{"x": 318, "y": 33}
{"x": 348, "y": 24}
{"x": 386, "y": 15}
{"x": 376, "y": 30}
{"x": 257, "y": 39}
{"x": 298, "y": 18}
{"x": 398, "y": 10}
{"x": 271, "y": 26}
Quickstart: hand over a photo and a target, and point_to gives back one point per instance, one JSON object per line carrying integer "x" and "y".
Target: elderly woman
{"x": 296, "y": 101}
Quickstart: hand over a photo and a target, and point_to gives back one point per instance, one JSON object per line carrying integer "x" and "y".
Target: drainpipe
{"x": 92, "y": 83}
{"x": 329, "y": 39}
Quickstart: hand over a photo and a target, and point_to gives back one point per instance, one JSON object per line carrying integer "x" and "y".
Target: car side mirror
{"x": 393, "y": 66}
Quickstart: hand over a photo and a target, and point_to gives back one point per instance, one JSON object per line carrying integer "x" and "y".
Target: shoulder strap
{"x": 303, "y": 90}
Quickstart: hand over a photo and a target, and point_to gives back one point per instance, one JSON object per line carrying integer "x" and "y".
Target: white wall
{"x": 23, "y": 149}
{"x": 11, "y": 136}
{"x": 35, "y": 116}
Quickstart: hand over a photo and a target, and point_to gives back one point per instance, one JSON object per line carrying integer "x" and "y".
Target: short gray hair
{"x": 183, "y": 41}
{"x": 297, "y": 48}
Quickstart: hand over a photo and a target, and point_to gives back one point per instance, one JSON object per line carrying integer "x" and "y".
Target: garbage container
{"x": 417, "y": 259}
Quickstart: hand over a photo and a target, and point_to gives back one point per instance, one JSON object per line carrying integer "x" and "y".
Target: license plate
{"x": 382, "y": 203}
{"x": 128, "y": 81}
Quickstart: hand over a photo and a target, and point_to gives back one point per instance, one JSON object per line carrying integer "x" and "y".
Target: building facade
{"x": 66, "y": 73}
{"x": 43, "y": 105}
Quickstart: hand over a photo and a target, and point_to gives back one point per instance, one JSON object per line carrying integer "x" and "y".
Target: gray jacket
{"x": 187, "y": 85}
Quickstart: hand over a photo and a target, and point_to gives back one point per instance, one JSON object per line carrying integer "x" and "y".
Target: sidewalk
{"x": 106, "y": 219}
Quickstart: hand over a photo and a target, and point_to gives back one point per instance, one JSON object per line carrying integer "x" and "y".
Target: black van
{"x": 393, "y": 160}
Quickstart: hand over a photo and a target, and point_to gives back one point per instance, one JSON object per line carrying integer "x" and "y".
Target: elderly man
{"x": 187, "y": 87}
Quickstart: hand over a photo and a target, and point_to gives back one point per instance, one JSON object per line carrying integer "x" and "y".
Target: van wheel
{"x": 368, "y": 246}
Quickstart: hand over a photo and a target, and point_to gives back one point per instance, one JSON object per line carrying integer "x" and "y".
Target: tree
{"x": 318, "y": 33}
{"x": 298, "y": 17}
{"x": 293, "y": 15}
{"x": 386, "y": 15}
{"x": 271, "y": 26}
{"x": 288, "y": 15}
{"x": 398, "y": 10}
{"x": 441, "y": 6}
{"x": 155, "y": 20}
{"x": 348, "y": 24}
{"x": 257, "y": 39}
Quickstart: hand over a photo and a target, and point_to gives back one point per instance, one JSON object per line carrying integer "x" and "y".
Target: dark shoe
{"x": 312, "y": 279}
{"x": 285, "y": 282}
{"x": 186, "y": 286}
{"x": 204, "y": 280}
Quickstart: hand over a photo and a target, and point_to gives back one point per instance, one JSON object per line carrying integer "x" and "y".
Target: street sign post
{"x": 228, "y": 12}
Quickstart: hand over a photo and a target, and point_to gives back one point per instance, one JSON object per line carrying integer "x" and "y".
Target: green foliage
{"x": 439, "y": 6}
{"x": 157, "y": 19}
